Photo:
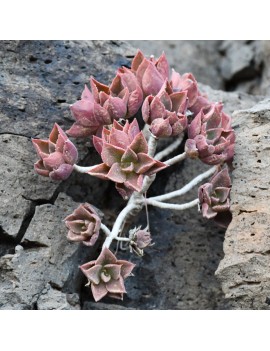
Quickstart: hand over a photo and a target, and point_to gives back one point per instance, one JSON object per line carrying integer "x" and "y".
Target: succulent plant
{"x": 125, "y": 83}
{"x": 90, "y": 116}
{"x": 139, "y": 240}
{"x": 106, "y": 275}
{"x": 150, "y": 73}
{"x": 210, "y": 136}
{"x": 57, "y": 155}
{"x": 167, "y": 104}
{"x": 83, "y": 224}
{"x": 124, "y": 154}
{"x": 165, "y": 112}
{"x": 186, "y": 82}
{"x": 214, "y": 195}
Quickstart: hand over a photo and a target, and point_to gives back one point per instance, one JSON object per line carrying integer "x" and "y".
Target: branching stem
{"x": 105, "y": 229}
{"x": 82, "y": 169}
{"x": 176, "y": 159}
{"x": 178, "y": 207}
{"x": 169, "y": 149}
{"x": 185, "y": 188}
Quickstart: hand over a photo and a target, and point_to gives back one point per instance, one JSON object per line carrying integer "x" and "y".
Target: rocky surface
{"x": 244, "y": 271}
{"x": 38, "y": 267}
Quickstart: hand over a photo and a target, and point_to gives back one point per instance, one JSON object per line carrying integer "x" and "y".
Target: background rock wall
{"x": 38, "y": 267}
{"x": 244, "y": 271}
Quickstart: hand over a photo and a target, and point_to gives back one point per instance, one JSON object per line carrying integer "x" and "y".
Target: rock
{"x": 238, "y": 60}
{"x": 52, "y": 299}
{"x": 265, "y": 81}
{"x": 244, "y": 271}
{"x": 45, "y": 265}
{"x": 232, "y": 100}
{"x": 19, "y": 185}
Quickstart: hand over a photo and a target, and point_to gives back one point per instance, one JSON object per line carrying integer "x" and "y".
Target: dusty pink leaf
{"x": 116, "y": 286}
{"x": 61, "y": 173}
{"x": 106, "y": 257}
{"x": 99, "y": 291}
{"x": 116, "y": 174}
{"x": 100, "y": 171}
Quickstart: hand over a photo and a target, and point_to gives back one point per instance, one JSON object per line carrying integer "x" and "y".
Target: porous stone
{"x": 244, "y": 271}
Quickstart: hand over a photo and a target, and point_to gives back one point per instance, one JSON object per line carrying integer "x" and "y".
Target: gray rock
{"x": 238, "y": 62}
{"x": 265, "y": 81}
{"x": 45, "y": 265}
{"x": 19, "y": 185}
{"x": 244, "y": 271}
{"x": 52, "y": 299}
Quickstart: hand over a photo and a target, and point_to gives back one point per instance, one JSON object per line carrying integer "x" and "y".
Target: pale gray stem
{"x": 173, "y": 206}
{"x": 169, "y": 149}
{"x": 119, "y": 223}
{"x": 148, "y": 180}
{"x": 152, "y": 145}
{"x": 176, "y": 159}
{"x": 119, "y": 238}
{"x": 185, "y": 188}
{"x": 81, "y": 169}
{"x": 105, "y": 229}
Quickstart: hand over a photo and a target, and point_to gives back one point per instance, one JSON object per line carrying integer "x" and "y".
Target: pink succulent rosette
{"x": 139, "y": 240}
{"x": 142, "y": 238}
{"x": 89, "y": 114}
{"x": 123, "y": 150}
{"x": 83, "y": 224}
{"x": 150, "y": 73}
{"x": 106, "y": 275}
{"x": 188, "y": 83}
{"x": 57, "y": 155}
{"x": 210, "y": 136}
{"x": 165, "y": 112}
{"x": 125, "y": 84}
{"x": 214, "y": 197}
{"x": 101, "y": 105}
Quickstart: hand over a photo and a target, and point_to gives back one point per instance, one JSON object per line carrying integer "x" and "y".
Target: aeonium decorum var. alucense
{"x": 124, "y": 120}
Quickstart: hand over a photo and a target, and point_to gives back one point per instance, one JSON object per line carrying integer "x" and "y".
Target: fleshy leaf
{"x": 99, "y": 291}
{"x": 116, "y": 286}
{"x": 100, "y": 171}
{"x": 106, "y": 257}
{"x": 93, "y": 274}
{"x": 116, "y": 174}
{"x": 111, "y": 154}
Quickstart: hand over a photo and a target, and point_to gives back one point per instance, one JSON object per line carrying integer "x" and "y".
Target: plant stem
{"x": 105, "y": 229}
{"x": 185, "y": 188}
{"x": 179, "y": 207}
{"x": 81, "y": 169}
{"x": 176, "y": 159}
{"x": 169, "y": 149}
{"x": 120, "y": 222}
{"x": 152, "y": 145}
{"x": 119, "y": 238}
